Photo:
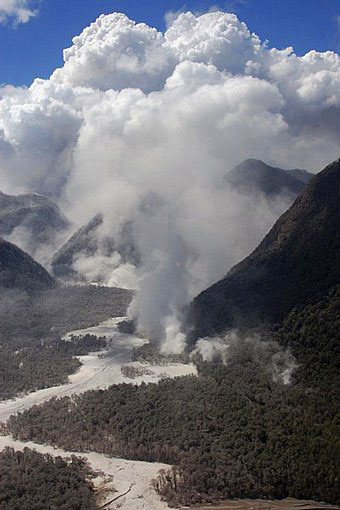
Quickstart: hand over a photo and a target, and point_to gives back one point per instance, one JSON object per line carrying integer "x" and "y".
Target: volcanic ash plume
{"x": 142, "y": 126}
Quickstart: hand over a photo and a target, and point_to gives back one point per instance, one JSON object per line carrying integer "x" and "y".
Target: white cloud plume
{"x": 142, "y": 126}
{"x": 18, "y": 11}
{"x": 214, "y": 38}
{"x": 269, "y": 355}
{"x": 116, "y": 53}
{"x": 171, "y": 16}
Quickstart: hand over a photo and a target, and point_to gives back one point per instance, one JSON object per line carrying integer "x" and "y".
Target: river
{"x": 98, "y": 371}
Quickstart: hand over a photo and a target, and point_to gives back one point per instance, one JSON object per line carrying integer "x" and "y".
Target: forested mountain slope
{"x": 237, "y": 430}
{"x": 301, "y": 175}
{"x": 255, "y": 176}
{"x": 82, "y": 241}
{"x": 86, "y": 242}
{"x": 232, "y": 431}
{"x": 38, "y": 219}
{"x": 296, "y": 262}
{"x": 19, "y": 271}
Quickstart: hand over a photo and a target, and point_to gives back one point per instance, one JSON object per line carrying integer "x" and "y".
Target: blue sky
{"x": 34, "y": 49}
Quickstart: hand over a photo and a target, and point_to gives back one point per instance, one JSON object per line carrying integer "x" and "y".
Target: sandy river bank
{"x": 98, "y": 371}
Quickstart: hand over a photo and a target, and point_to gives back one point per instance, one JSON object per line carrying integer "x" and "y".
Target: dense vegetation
{"x": 52, "y": 313}
{"x": 19, "y": 271}
{"x": 231, "y": 432}
{"x": 254, "y": 176}
{"x": 32, "y": 356}
{"x": 32, "y": 369}
{"x": 150, "y": 353}
{"x": 235, "y": 430}
{"x": 296, "y": 263}
{"x": 32, "y": 481}
{"x": 43, "y": 365}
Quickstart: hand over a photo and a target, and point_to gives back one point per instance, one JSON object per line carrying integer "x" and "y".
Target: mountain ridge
{"x": 18, "y": 270}
{"x": 276, "y": 276}
{"x": 40, "y": 219}
{"x": 86, "y": 242}
{"x": 253, "y": 175}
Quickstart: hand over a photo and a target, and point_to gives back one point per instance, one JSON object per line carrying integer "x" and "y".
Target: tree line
{"x": 35, "y": 481}
{"x": 42, "y": 365}
{"x": 32, "y": 354}
{"x": 231, "y": 432}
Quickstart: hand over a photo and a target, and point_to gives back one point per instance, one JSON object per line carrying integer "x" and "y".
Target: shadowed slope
{"x": 297, "y": 261}
{"x": 19, "y": 271}
{"x": 86, "y": 242}
{"x": 255, "y": 176}
{"x": 38, "y": 218}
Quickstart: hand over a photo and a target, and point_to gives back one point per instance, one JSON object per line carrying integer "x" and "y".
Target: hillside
{"x": 83, "y": 241}
{"x": 297, "y": 261}
{"x": 38, "y": 219}
{"x": 233, "y": 432}
{"x": 19, "y": 271}
{"x": 86, "y": 242}
{"x": 255, "y": 176}
{"x": 301, "y": 175}
{"x": 239, "y": 429}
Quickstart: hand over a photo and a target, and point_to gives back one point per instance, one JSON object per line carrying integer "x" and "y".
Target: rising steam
{"x": 268, "y": 355}
{"x": 142, "y": 126}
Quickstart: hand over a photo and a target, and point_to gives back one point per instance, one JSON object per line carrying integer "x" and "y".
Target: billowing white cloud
{"x": 142, "y": 126}
{"x": 115, "y": 53}
{"x": 41, "y": 125}
{"x": 18, "y": 11}
{"x": 214, "y": 38}
{"x": 171, "y": 16}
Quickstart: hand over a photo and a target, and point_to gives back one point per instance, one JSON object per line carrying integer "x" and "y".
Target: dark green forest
{"x": 47, "y": 364}
{"x": 296, "y": 263}
{"x": 33, "y": 481}
{"x": 230, "y": 432}
{"x": 32, "y": 354}
{"x": 25, "y": 318}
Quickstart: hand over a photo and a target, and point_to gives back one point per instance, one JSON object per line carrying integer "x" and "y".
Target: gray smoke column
{"x": 142, "y": 126}
{"x": 162, "y": 290}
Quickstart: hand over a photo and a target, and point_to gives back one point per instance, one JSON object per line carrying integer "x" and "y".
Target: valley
{"x": 115, "y": 476}
{"x": 169, "y": 255}
{"x": 98, "y": 371}
{"x": 222, "y": 429}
